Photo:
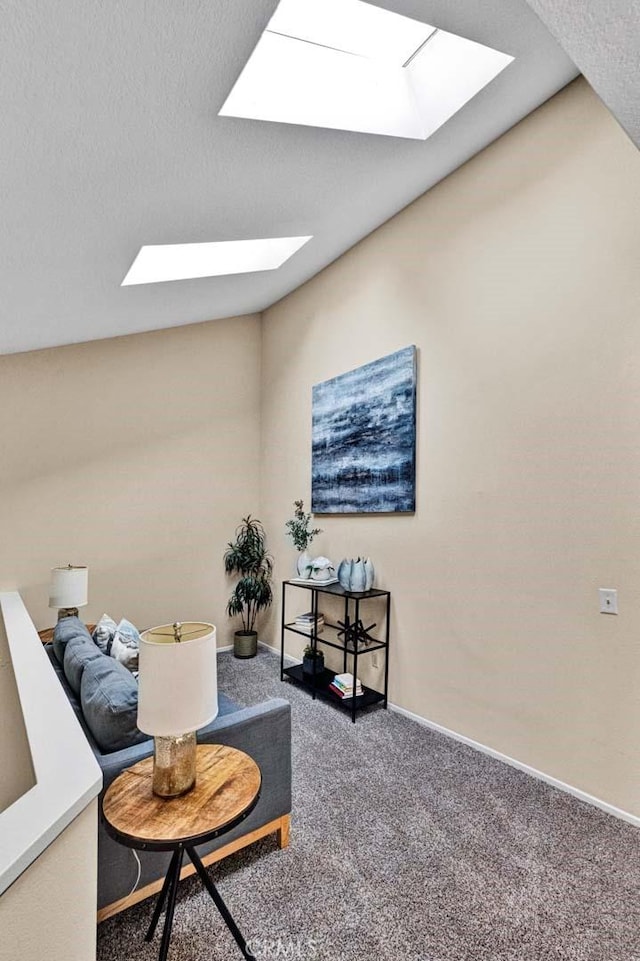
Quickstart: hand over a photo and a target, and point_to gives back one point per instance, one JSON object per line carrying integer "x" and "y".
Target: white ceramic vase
{"x": 303, "y": 565}
{"x": 321, "y": 569}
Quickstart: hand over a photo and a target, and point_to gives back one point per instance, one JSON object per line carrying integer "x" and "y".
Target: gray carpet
{"x": 407, "y": 845}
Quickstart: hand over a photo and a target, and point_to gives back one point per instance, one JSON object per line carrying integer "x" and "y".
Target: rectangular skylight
{"x": 447, "y": 73}
{"x": 315, "y": 86}
{"x": 348, "y": 65}
{"x": 351, "y": 26}
{"x": 161, "y": 262}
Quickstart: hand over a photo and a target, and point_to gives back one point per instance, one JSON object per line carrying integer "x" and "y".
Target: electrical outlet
{"x": 608, "y": 600}
{"x": 374, "y": 661}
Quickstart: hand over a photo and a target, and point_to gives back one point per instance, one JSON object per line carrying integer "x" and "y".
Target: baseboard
{"x": 526, "y": 768}
{"x": 276, "y": 650}
{"x": 268, "y": 647}
{"x": 512, "y": 762}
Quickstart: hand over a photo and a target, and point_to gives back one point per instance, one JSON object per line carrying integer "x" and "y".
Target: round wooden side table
{"x": 46, "y": 635}
{"x": 226, "y": 791}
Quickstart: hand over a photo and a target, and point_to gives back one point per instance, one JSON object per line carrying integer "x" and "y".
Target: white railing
{"x": 67, "y": 774}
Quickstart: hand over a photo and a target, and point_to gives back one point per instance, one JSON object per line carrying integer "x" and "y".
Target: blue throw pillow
{"x": 109, "y": 700}
{"x": 125, "y": 645}
{"x": 103, "y": 633}
{"x": 64, "y": 630}
{"x": 77, "y": 652}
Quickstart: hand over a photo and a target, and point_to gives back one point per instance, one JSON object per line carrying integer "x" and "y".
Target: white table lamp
{"x": 178, "y": 694}
{"x": 69, "y": 590}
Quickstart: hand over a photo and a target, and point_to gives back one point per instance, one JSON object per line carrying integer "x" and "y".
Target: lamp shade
{"x": 178, "y": 681}
{"x": 69, "y": 587}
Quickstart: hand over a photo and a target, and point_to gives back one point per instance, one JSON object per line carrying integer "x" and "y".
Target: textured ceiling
{"x": 603, "y": 38}
{"x": 111, "y": 140}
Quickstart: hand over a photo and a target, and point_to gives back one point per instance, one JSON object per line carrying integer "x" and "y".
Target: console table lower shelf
{"x": 318, "y": 685}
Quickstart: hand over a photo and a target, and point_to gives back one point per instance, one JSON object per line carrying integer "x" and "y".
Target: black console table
{"x": 350, "y": 636}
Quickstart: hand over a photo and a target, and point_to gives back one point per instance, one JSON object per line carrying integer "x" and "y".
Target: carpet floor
{"x": 406, "y": 845}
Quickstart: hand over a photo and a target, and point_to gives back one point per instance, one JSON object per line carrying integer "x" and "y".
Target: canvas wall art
{"x": 364, "y": 439}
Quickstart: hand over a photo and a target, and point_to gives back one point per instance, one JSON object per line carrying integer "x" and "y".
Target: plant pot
{"x": 313, "y": 665}
{"x": 245, "y": 643}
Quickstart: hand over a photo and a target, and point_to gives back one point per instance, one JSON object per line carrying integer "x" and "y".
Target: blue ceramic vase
{"x": 357, "y": 576}
{"x": 370, "y": 574}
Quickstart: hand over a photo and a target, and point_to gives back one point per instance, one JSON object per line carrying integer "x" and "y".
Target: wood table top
{"x": 46, "y": 635}
{"x": 227, "y": 787}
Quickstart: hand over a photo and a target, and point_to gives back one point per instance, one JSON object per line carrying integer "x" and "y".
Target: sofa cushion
{"x": 64, "y": 630}
{"x": 109, "y": 700}
{"x": 77, "y": 652}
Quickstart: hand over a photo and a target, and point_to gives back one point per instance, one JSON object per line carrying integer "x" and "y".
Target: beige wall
{"x": 16, "y": 764}
{"x": 136, "y": 456}
{"x": 518, "y": 279}
{"x": 50, "y": 910}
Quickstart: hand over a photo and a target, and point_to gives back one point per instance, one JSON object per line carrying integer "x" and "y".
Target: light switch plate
{"x": 608, "y": 600}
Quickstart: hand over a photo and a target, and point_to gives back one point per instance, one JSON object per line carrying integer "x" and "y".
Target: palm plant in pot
{"x": 247, "y": 557}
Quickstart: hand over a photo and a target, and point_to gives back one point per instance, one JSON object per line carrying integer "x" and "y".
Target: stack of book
{"x": 342, "y": 685}
{"x": 304, "y": 622}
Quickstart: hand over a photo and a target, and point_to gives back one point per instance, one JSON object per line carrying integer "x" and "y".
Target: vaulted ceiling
{"x": 111, "y": 139}
{"x": 603, "y": 38}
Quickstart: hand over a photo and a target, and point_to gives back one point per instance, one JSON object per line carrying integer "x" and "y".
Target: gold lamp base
{"x": 67, "y": 612}
{"x": 174, "y": 765}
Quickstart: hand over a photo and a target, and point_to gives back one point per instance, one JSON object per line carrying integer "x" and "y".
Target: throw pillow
{"x": 103, "y": 633}
{"x": 124, "y": 647}
{"x": 109, "y": 700}
{"x": 78, "y": 651}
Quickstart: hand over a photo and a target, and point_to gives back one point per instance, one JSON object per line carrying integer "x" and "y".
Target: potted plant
{"x": 248, "y": 557}
{"x": 312, "y": 660}
{"x": 301, "y": 535}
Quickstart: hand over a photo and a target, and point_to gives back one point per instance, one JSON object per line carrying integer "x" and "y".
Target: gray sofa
{"x": 263, "y": 731}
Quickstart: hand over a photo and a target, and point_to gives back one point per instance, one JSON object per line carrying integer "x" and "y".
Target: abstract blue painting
{"x": 364, "y": 439}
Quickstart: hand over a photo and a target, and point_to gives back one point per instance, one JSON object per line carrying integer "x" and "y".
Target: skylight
{"x": 348, "y": 65}
{"x": 158, "y": 263}
{"x": 352, "y": 27}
